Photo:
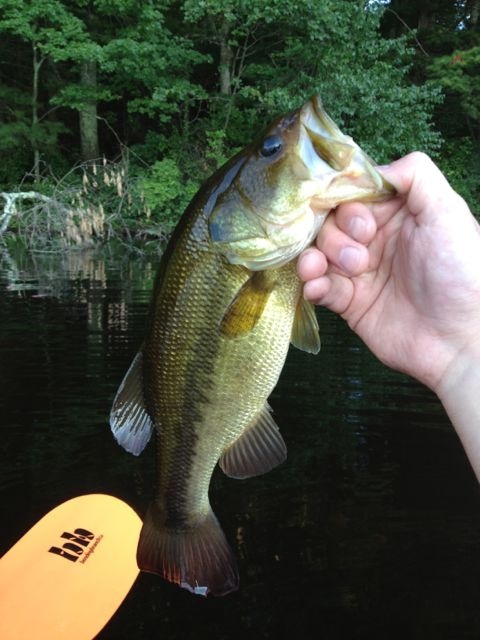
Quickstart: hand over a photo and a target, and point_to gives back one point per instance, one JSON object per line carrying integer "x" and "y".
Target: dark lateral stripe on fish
{"x": 202, "y": 359}
{"x": 183, "y": 429}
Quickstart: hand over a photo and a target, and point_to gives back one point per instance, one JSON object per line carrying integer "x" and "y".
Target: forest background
{"x": 113, "y": 112}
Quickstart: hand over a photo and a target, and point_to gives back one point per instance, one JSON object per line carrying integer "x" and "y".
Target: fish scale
{"x": 212, "y": 365}
{"x": 225, "y": 307}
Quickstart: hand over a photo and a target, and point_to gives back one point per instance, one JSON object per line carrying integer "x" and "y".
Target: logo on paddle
{"x": 80, "y": 546}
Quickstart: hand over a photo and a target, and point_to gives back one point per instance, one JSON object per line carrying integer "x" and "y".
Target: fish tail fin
{"x": 197, "y": 559}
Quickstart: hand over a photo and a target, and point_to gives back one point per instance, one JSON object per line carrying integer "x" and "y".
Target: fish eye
{"x": 271, "y": 145}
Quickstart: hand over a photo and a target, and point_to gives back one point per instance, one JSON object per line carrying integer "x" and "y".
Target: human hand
{"x": 404, "y": 274}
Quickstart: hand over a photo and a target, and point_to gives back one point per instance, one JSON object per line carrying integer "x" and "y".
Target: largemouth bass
{"x": 226, "y": 305}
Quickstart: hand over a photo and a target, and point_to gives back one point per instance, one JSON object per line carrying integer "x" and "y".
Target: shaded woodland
{"x": 113, "y": 113}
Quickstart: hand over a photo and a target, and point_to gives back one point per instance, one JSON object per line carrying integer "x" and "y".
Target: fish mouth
{"x": 331, "y": 169}
{"x": 327, "y": 167}
{"x": 333, "y": 166}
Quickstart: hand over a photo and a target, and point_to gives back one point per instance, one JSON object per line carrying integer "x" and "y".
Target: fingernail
{"x": 357, "y": 227}
{"x": 349, "y": 259}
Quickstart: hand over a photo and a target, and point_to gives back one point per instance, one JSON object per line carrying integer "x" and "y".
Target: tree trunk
{"x": 88, "y": 113}
{"x": 37, "y": 63}
{"x": 425, "y": 18}
{"x": 474, "y": 12}
{"x": 226, "y": 56}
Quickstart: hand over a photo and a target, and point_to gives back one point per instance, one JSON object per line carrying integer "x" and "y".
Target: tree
{"x": 271, "y": 55}
{"x": 48, "y": 29}
{"x": 458, "y": 73}
{"x": 191, "y": 81}
{"x": 447, "y": 38}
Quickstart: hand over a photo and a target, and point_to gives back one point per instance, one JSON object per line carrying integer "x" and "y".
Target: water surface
{"x": 370, "y": 529}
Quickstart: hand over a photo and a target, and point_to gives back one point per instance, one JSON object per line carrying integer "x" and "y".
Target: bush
{"x": 166, "y": 193}
{"x": 459, "y": 161}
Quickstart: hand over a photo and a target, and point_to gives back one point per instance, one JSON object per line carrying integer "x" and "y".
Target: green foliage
{"x": 143, "y": 59}
{"x": 46, "y": 23}
{"x": 215, "y": 151}
{"x": 49, "y": 31}
{"x": 18, "y": 134}
{"x": 460, "y": 161}
{"x": 15, "y": 130}
{"x": 459, "y": 73}
{"x": 447, "y": 37}
{"x": 282, "y": 53}
{"x": 166, "y": 193}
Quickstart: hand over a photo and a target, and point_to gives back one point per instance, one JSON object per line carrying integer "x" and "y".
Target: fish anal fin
{"x": 198, "y": 559}
{"x": 305, "y": 331}
{"x": 129, "y": 420}
{"x": 259, "y": 449}
{"x": 247, "y": 307}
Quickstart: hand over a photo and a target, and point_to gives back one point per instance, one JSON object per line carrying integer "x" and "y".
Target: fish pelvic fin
{"x": 247, "y": 307}
{"x": 197, "y": 559}
{"x": 130, "y": 422}
{"x": 305, "y": 331}
{"x": 259, "y": 449}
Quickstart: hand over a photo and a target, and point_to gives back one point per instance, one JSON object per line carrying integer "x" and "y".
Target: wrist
{"x": 459, "y": 391}
{"x": 462, "y": 373}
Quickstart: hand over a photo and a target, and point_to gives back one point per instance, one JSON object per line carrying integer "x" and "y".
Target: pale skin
{"x": 405, "y": 275}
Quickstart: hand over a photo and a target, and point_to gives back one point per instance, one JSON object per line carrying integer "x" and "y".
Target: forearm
{"x": 459, "y": 392}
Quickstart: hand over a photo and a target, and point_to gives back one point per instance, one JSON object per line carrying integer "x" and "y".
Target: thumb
{"x": 421, "y": 182}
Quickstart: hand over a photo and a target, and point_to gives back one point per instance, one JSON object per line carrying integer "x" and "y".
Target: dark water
{"x": 371, "y": 529}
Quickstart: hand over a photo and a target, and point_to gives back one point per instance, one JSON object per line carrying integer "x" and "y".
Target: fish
{"x": 226, "y": 305}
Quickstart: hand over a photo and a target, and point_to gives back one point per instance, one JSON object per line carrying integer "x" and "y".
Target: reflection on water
{"x": 371, "y": 529}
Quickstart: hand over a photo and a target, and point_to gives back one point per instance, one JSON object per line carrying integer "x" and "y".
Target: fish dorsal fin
{"x": 129, "y": 420}
{"x": 247, "y": 307}
{"x": 305, "y": 331}
{"x": 259, "y": 449}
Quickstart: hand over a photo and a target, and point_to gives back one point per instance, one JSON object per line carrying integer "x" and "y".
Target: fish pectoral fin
{"x": 247, "y": 307}
{"x": 305, "y": 330}
{"x": 259, "y": 449}
{"x": 129, "y": 420}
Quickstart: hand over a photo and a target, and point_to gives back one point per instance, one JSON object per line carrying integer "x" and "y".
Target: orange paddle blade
{"x": 67, "y": 575}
